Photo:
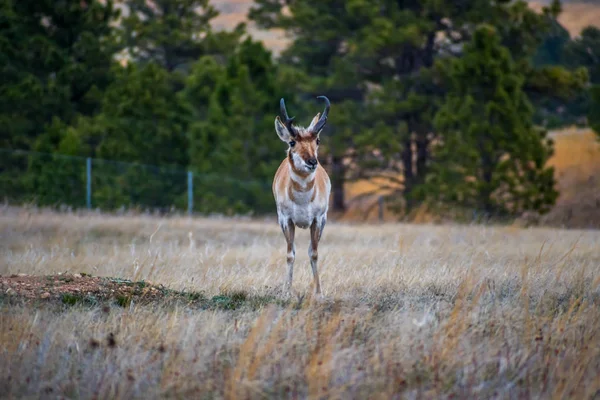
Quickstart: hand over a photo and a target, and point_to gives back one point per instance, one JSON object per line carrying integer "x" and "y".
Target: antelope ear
{"x": 282, "y": 131}
{"x": 313, "y": 123}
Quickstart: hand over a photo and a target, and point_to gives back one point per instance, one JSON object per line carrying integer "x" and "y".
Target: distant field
{"x": 576, "y": 15}
{"x": 577, "y": 164}
{"x": 412, "y": 310}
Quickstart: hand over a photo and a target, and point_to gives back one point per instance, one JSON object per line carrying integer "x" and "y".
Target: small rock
{"x": 10, "y": 291}
{"x": 21, "y": 275}
{"x": 77, "y": 290}
{"x": 76, "y": 275}
{"x": 45, "y": 295}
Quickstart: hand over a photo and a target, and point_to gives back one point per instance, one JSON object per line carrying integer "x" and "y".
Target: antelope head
{"x": 303, "y": 142}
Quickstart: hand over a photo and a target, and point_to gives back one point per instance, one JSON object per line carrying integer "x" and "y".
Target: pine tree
{"x": 551, "y": 50}
{"x": 318, "y": 60}
{"x": 55, "y": 60}
{"x": 380, "y": 55}
{"x": 584, "y": 52}
{"x": 233, "y": 146}
{"x": 491, "y": 158}
{"x": 142, "y": 120}
{"x": 173, "y": 33}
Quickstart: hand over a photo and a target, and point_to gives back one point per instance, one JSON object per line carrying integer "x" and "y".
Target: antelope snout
{"x": 312, "y": 163}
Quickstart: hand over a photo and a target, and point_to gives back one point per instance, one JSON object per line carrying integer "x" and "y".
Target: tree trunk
{"x": 486, "y": 192}
{"x": 422, "y": 155}
{"x": 409, "y": 177}
{"x": 337, "y": 183}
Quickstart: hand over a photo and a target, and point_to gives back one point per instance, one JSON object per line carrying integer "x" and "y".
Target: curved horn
{"x": 321, "y": 123}
{"x": 286, "y": 120}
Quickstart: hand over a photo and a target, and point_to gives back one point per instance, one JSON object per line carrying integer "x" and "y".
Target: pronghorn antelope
{"x": 301, "y": 187}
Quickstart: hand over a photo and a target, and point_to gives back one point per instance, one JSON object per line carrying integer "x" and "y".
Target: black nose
{"x": 312, "y": 162}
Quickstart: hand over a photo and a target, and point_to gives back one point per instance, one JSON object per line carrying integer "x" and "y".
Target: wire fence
{"x": 59, "y": 180}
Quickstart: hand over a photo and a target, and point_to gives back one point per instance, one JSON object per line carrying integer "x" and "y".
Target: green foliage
{"x": 492, "y": 159}
{"x": 142, "y": 120}
{"x": 559, "y": 88}
{"x": 190, "y": 98}
{"x": 320, "y": 61}
{"x": 232, "y": 139}
{"x": 173, "y": 33}
{"x": 551, "y": 50}
{"x": 375, "y": 60}
{"x": 582, "y": 54}
{"x": 584, "y": 51}
{"x": 55, "y": 59}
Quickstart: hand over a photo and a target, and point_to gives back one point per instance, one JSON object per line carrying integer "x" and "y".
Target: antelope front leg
{"x": 289, "y": 230}
{"x": 316, "y": 230}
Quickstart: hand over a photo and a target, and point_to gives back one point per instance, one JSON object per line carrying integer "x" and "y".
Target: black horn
{"x": 323, "y": 120}
{"x": 286, "y": 120}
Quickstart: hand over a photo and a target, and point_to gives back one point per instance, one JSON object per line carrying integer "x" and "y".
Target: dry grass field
{"x": 409, "y": 311}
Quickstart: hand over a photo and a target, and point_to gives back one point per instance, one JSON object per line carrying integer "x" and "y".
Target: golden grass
{"x": 408, "y": 311}
{"x": 577, "y": 165}
{"x": 576, "y": 15}
{"x": 576, "y": 153}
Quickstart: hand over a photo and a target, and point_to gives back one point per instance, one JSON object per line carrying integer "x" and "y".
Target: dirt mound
{"x": 87, "y": 290}
{"x": 75, "y": 288}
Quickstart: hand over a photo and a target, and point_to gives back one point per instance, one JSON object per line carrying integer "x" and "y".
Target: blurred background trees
{"x": 447, "y": 102}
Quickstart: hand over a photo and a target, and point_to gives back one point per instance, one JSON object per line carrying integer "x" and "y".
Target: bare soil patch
{"x": 74, "y": 289}
{"x": 79, "y": 287}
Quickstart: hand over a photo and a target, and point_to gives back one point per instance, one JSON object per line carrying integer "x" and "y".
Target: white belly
{"x": 301, "y": 215}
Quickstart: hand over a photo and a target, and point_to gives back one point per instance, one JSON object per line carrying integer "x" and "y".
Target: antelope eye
{"x": 318, "y": 141}
{"x": 292, "y": 143}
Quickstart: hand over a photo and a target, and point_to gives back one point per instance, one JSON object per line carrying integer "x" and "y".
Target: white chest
{"x": 300, "y": 201}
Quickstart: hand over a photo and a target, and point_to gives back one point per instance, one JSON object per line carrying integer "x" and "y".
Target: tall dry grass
{"x": 408, "y": 312}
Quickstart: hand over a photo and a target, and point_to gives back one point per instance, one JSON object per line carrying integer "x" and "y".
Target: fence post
{"x": 190, "y": 186}
{"x": 88, "y": 200}
{"x": 380, "y": 201}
